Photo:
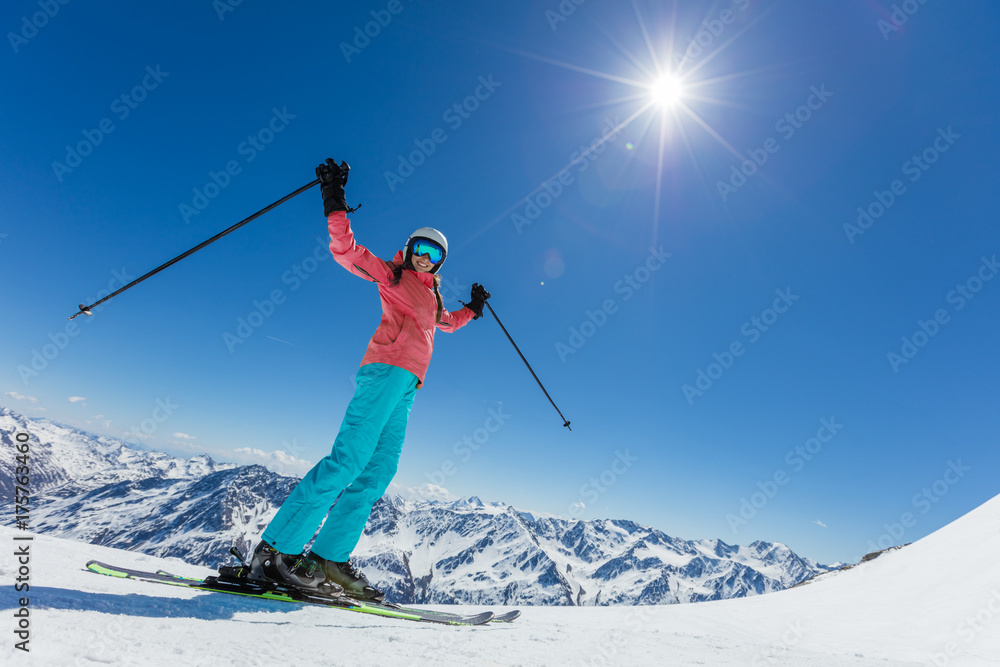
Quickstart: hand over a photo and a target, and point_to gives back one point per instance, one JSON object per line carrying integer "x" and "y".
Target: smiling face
{"x": 421, "y": 263}
{"x": 425, "y": 254}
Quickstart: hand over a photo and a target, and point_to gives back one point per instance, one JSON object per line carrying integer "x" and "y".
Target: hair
{"x": 397, "y": 273}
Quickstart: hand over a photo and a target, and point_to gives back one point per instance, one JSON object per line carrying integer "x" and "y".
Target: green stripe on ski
{"x": 94, "y": 566}
{"x": 362, "y": 607}
{"x": 337, "y": 603}
{"x": 163, "y": 573}
{"x": 506, "y": 617}
{"x": 99, "y": 568}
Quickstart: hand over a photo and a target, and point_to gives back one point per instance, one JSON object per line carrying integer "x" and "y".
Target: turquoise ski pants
{"x": 361, "y": 464}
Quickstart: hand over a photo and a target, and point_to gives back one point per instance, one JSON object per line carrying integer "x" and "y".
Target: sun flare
{"x": 661, "y": 98}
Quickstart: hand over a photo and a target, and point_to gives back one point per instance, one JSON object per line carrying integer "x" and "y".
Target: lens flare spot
{"x": 554, "y": 265}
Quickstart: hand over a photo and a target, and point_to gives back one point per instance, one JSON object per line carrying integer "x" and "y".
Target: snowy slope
{"x": 912, "y": 606}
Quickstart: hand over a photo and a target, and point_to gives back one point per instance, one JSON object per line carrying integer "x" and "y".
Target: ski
{"x": 285, "y": 594}
{"x": 506, "y": 617}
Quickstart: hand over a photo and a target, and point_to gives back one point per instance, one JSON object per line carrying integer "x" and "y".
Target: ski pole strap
{"x": 565, "y": 421}
{"x": 86, "y": 310}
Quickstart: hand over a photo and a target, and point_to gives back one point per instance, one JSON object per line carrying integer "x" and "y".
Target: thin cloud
{"x": 278, "y": 461}
{"x": 422, "y": 492}
{"x": 21, "y": 397}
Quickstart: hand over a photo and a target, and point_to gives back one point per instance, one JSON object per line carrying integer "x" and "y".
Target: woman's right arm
{"x": 355, "y": 258}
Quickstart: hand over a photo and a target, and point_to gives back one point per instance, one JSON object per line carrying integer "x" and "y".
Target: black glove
{"x": 332, "y": 179}
{"x": 479, "y": 297}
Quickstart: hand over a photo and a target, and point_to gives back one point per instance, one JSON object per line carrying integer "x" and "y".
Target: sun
{"x": 666, "y": 91}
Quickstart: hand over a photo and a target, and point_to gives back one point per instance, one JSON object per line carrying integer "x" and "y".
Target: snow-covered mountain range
{"x": 491, "y": 553}
{"x": 103, "y": 491}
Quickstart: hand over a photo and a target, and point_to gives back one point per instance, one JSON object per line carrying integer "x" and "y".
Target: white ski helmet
{"x": 430, "y": 234}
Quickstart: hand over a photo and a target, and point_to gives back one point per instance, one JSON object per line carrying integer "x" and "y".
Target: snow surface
{"x": 935, "y": 602}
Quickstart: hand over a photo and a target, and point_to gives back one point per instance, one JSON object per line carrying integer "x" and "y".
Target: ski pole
{"x": 565, "y": 421}
{"x": 86, "y": 310}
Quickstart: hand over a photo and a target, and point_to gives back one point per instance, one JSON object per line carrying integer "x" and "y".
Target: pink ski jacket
{"x": 405, "y": 336}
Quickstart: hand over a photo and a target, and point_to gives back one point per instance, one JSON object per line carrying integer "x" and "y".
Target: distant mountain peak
{"x": 426, "y": 492}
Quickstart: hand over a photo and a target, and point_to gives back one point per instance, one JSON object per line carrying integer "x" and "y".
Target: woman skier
{"x": 364, "y": 456}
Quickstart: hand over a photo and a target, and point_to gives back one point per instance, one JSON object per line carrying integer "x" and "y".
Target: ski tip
{"x": 98, "y": 567}
{"x": 83, "y": 311}
{"x": 506, "y": 617}
{"x": 481, "y": 619}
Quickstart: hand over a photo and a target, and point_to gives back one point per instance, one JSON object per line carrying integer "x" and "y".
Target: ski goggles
{"x": 434, "y": 252}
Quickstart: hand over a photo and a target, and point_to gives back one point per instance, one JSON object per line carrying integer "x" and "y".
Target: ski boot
{"x": 270, "y": 566}
{"x": 351, "y": 581}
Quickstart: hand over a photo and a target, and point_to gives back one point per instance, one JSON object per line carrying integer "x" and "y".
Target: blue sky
{"x": 692, "y": 282}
